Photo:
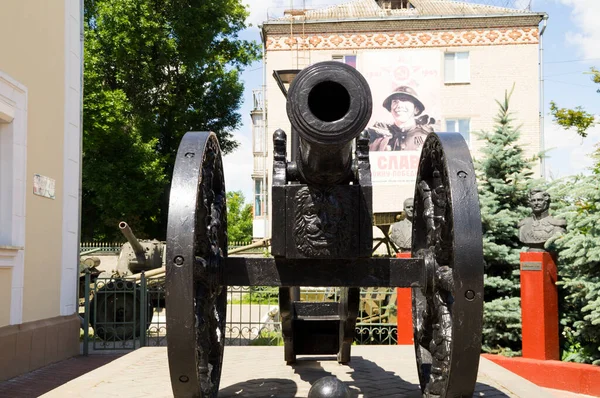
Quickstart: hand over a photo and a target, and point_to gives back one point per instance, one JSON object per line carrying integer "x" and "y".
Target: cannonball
{"x": 329, "y": 387}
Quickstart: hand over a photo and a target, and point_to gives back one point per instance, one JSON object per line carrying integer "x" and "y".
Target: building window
{"x": 457, "y": 68}
{"x": 347, "y": 59}
{"x": 258, "y": 133}
{"x": 13, "y": 175}
{"x": 462, "y": 126}
{"x": 6, "y": 184}
{"x": 258, "y": 198}
{"x": 394, "y": 4}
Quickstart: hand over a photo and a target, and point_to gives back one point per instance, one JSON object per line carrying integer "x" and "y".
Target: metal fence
{"x": 115, "y": 247}
{"x": 100, "y": 247}
{"x": 123, "y": 313}
{"x": 128, "y": 313}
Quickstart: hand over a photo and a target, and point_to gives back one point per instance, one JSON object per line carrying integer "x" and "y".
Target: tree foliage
{"x": 152, "y": 71}
{"x": 239, "y": 218}
{"x": 579, "y": 265}
{"x": 577, "y": 117}
{"x": 505, "y": 177}
{"x": 569, "y": 118}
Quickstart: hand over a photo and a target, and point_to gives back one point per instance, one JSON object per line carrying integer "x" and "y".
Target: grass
{"x": 268, "y": 338}
{"x": 248, "y": 298}
{"x": 257, "y": 295}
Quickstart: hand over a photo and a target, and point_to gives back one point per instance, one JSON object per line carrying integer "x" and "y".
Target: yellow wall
{"x": 5, "y": 279}
{"x": 32, "y": 51}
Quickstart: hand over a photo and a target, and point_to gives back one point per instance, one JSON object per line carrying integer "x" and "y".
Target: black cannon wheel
{"x": 448, "y": 307}
{"x": 196, "y": 245}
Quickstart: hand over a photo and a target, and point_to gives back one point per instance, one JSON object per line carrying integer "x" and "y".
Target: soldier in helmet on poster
{"x": 410, "y": 127}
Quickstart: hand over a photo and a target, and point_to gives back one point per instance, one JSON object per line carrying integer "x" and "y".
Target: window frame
{"x": 456, "y": 67}
{"x": 13, "y": 177}
{"x": 343, "y": 58}
{"x": 259, "y": 204}
{"x": 456, "y": 121}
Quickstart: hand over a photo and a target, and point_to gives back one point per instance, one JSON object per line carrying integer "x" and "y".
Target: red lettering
{"x": 404, "y": 162}
{"x": 414, "y": 162}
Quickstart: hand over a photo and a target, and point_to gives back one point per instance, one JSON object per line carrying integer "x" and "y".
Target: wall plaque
{"x": 44, "y": 186}
{"x": 531, "y": 266}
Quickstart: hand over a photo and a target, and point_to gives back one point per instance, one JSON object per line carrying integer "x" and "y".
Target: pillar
{"x": 539, "y": 306}
{"x": 404, "y": 315}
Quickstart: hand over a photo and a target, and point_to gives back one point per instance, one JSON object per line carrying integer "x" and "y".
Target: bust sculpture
{"x": 534, "y": 231}
{"x": 401, "y": 231}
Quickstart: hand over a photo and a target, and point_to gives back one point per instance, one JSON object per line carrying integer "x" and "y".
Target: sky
{"x": 571, "y": 45}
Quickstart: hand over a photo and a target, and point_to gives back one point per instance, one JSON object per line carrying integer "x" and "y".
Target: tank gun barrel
{"x": 139, "y": 251}
{"x": 329, "y": 104}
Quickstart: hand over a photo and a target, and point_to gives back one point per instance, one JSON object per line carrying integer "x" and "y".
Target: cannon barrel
{"x": 138, "y": 249}
{"x": 328, "y": 104}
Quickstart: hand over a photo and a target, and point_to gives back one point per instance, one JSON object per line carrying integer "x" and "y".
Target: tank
{"x": 117, "y": 304}
{"x": 138, "y": 255}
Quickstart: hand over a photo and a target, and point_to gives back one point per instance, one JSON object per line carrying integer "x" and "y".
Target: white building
{"x": 459, "y": 57}
{"x": 40, "y": 159}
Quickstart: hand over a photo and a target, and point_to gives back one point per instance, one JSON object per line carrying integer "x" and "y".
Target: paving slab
{"x": 40, "y": 381}
{"x": 374, "y": 371}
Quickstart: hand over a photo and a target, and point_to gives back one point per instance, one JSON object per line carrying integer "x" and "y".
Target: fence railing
{"x": 100, "y": 247}
{"x": 115, "y": 247}
{"x": 128, "y": 313}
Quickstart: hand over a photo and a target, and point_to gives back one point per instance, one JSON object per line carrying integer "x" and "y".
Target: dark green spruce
{"x": 504, "y": 178}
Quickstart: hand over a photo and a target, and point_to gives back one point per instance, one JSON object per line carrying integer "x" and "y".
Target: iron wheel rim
{"x": 447, "y": 234}
{"x": 196, "y": 244}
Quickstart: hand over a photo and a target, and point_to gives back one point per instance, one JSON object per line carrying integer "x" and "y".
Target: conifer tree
{"x": 579, "y": 264}
{"x": 504, "y": 177}
{"x": 579, "y": 248}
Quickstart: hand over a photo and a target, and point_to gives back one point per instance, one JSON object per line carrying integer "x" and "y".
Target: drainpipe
{"x": 542, "y": 141}
{"x": 266, "y": 213}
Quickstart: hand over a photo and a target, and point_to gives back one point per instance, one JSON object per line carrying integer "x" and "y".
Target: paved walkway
{"x": 40, "y": 381}
{"x": 375, "y": 371}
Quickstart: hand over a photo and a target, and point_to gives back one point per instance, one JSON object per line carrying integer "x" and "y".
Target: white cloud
{"x": 585, "y": 14}
{"x": 520, "y": 4}
{"x": 260, "y": 10}
{"x": 569, "y": 154}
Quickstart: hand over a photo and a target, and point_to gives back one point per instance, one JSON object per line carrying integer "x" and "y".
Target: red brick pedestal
{"x": 539, "y": 306}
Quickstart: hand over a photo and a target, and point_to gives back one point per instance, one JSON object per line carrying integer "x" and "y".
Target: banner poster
{"x": 405, "y": 86}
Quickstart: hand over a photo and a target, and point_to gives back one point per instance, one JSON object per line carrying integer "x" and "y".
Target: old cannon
{"x": 322, "y": 236}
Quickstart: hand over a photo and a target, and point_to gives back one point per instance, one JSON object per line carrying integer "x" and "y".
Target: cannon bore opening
{"x": 329, "y": 101}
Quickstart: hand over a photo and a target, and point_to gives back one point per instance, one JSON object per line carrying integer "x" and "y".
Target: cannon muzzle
{"x": 328, "y": 104}
{"x": 137, "y": 247}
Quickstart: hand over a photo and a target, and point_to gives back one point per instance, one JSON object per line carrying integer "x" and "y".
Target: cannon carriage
{"x": 322, "y": 236}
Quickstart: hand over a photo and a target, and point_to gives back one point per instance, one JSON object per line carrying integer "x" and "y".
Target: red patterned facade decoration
{"x": 386, "y": 40}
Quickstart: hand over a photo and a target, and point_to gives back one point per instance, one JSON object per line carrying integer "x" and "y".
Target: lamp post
{"x": 284, "y": 78}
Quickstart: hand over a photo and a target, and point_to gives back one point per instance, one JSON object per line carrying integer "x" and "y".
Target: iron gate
{"x": 128, "y": 313}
